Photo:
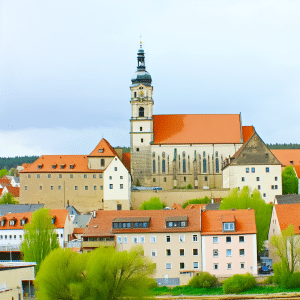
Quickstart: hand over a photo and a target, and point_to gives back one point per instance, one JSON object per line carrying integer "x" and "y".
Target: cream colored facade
{"x": 265, "y": 178}
{"x": 226, "y": 255}
{"x": 173, "y": 253}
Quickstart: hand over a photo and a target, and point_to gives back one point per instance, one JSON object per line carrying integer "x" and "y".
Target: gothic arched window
{"x": 183, "y": 166}
{"x": 163, "y": 166}
{"x": 141, "y": 112}
{"x": 217, "y": 165}
{"x": 153, "y": 166}
{"x": 204, "y": 165}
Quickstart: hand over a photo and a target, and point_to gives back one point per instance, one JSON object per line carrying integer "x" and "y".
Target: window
{"x": 142, "y": 239}
{"x": 137, "y": 149}
{"x": 276, "y": 187}
{"x": 168, "y": 252}
{"x": 243, "y": 178}
{"x": 142, "y": 140}
{"x": 116, "y": 169}
{"x": 165, "y": 179}
{"x": 258, "y": 187}
{"x": 276, "y": 178}
{"x": 242, "y": 239}
{"x": 229, "y": 266}
{"x": 215, "y": 240}
{"x": 228, "y": 226}
{"x": 15, "y": 237}
{"x": 195, "y": 251}
{"x": 141, "y": 128}
{"x": 49, "y": 175}
{"x": 95, "y": 187}
{"x": 217, "y": 165}
{"x": 76, "y": 187}
{"x": 41, "y": 187}
{"x": 204, "y": 165}
{"x": 121, "y": 177}
{"x": 12, "y": 222}
{"x": 23, "y": 222}
{"x": 247, "y": 170}
{"x": 10, "y": 237}
{"x": 215, "y": 253}
{"x": 101, "y": 187}
{"x": 38, "y": 176}
{"x": 242, "y": 266}
{"x": 51, "y": 187}
{"x": 125, "y": 240}
{"x": 62, "y": 166}
{"x": 257, "y": 179}
{"x": 272, "y": 187}
{"x": 1, "y": 237}
{"x": 181, "y": 265}
{"x": 111, "y": 186}
{"x": 181, "y": 252}
{"x": 205, "y": 178}
{"x": 29, "y": 175}
{"x": 152, "y": 239}
{"x": 119, "y": 206}
{"x": 253, "y": 170}
{"x": 110, "y": 177}
{"x": 267, "y": 169}
{"x": 100, "y": 175}
{"x": 181, "y": 238}
{"x": 168, "y": 238}
{"x": 195, "y": 238}
{"x": 20, "y": 236}
{"x": 84, "y": 176}
{"x": 102, "y": 162}
{"x": 141, "y": 112}
{"x": 119, "y": 240}
{"x": 163, "y": 166}
{"x": 153, "y": 252}
{"x": 154, "y": 179}
{"x": 94, "y": 175}
{"x": 242, "y": 252}
{"x": 184, "y": 179}
{"x": 228, "y": 252}
{"x": 71, "y": 175}
{"x": 121, "y": 186}
{"x": 135, "y": 240}
{"x": 195, "y": 265}
{"x": 265, "y": 195}
{"x": 168, "y": 266}
{"x": 153, "y": 166}
{"x": 26, "y": 187}
{"x": 228, "y": 239}
{"x": 216, "y": 266}
{"x": 184, "y": 166}
{"x": 170, "y": 224}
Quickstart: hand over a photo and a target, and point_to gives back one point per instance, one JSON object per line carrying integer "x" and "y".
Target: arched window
{"x": 217, "y": 165}
{"x": 163, "y": 166}
{"x": 141, "y": 112}
{"x": 183, "y": 166}
{"x": 204, "y": 165}
{"x": 153, "y": 166}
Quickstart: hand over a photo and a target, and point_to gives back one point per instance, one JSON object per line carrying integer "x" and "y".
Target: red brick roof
{"x": 288, "y": 214}
{"x": 106, "y": 150}
{"x": 197, "y": 129}
{"x": 286, "y": 156}
{"x": 126, "y": 160}
{"x": 104, "y": 219}
{"x": 212, "y": 221}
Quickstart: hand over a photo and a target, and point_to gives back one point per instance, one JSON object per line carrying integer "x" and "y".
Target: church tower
{"x": 141, "y": 122}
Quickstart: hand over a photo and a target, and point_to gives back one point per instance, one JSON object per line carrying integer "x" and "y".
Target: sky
{"x": 66, "y": 68}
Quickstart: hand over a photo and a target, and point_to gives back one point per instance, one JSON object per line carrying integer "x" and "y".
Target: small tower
{"x": 141, "y": 122}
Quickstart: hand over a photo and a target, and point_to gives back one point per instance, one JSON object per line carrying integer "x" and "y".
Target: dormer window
{"x": 72, "y": 166}
{"x": 127, "y": 223}
{"x": 12, "y": 222}
{"x": 62, "y": 166}
{"x": 177, "y": 221}
{"x": 23, "y": 221}
{"x": 54, "y": 166}
{"x": 40, "y": 166}
{"x": 229, "y": 226}
{"x": 3, "y": 220}
{"x": 101, "y": 150}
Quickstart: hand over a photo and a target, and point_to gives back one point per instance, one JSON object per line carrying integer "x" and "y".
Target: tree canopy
{"x": 244, "y": 199}
{"x": 204, "y": 200}
{"x": 12, "y": 162}
{"x": 289, "y": 181}
{"x": 3, "y": 172}
{"x": 104, "y": 274}
{"x": 153, "y": 204}
{"x": 39, "y": 237}
{"x": 8, "y": 198}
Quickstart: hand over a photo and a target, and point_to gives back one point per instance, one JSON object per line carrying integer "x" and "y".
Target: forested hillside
{"x": 283, "y": 146}
{"x": 12, "y": 162}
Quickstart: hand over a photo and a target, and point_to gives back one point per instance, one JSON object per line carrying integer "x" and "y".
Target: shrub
{"x": 189, "y": 187}
{"x": 153, "y": 204}
{"x": 196, "y": 201}
{"x": 152, "y": 284}
{"x": 238, "y": 283}
{"x": 268, "y": 280}
{"x": 293, "y": 282}
{"x": 203, "y": 280}
{"x": 281, "y": 275}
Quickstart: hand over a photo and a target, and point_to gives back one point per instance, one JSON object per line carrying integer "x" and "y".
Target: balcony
{"x": 96, "y": 244}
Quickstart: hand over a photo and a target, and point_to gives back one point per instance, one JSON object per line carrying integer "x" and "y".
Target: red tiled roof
{"x": 297, "y": 169}
{"x": 61, "y": 215}
{"x": 176, "y": 206}
{"x": 26, "y": 165}
{"x": 126, "y": 160}
{"x": 4, "y": 181}
{"x": 286, "y": 156}
{"x": 108, "y": 150}
{"x": 197, "y": 129}
{"x": 103, "y": 221}
{"x": 15, "y": 191}
{"x": 247, "y": 132}
{"x": 288, "y": 214}
{"x": 1, "y": 190}
{"x": 195, "y": 206}
{"x": 80, "y": 163}
{"x": 212, "y": 221}
{"x": 79, "y": 230}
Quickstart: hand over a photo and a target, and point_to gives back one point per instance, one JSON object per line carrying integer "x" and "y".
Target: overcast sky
{"x": 65, "y": 68}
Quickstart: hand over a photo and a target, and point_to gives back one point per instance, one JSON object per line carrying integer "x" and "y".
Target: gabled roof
{"x": 195, "y": 206}
{"x": 18, "y": 208}
{"x": 81, "y": 221}
{"x": 15, "y": 191}
{"x": 287, "y": 156}
{"x": 287, "y": 199}
{"x": 212, "y": 221}
{"x": 254, "y": 152}
{"x": 103, "y": 149}
{"x": 126, "y": 160}
{"x": 197, "y": 129}
{"x": 4, "y": 181}
{"x": 44, "y": 164}
{"x": 176, "y": 206}
{"x": 102, "y": 224}
{"x": 288, "y": 214}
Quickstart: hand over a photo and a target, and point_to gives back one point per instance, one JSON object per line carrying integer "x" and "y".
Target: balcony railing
{"x": 10, "y": 247}
{"x": 96, "y": 244}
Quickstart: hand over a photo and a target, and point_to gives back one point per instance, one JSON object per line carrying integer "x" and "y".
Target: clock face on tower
{"x": 141, "y": 94}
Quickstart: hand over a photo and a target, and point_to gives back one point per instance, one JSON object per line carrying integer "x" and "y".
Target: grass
{"x": 189, "y": 291}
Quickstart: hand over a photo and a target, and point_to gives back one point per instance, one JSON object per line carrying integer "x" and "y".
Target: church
{"x": 177, "y": 151}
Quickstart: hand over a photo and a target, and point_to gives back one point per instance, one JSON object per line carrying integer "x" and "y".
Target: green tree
{"x": 3, "y": 172}
{"x": 104, "y": 274}
{"x": 39, "y": 237}
{"x": 243, "y": 200}
{"x": 153, "y": 204}
{"x": 8, "y": 198}
{"x": 204, "y": 200}
{"x": 289, "y": 181}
